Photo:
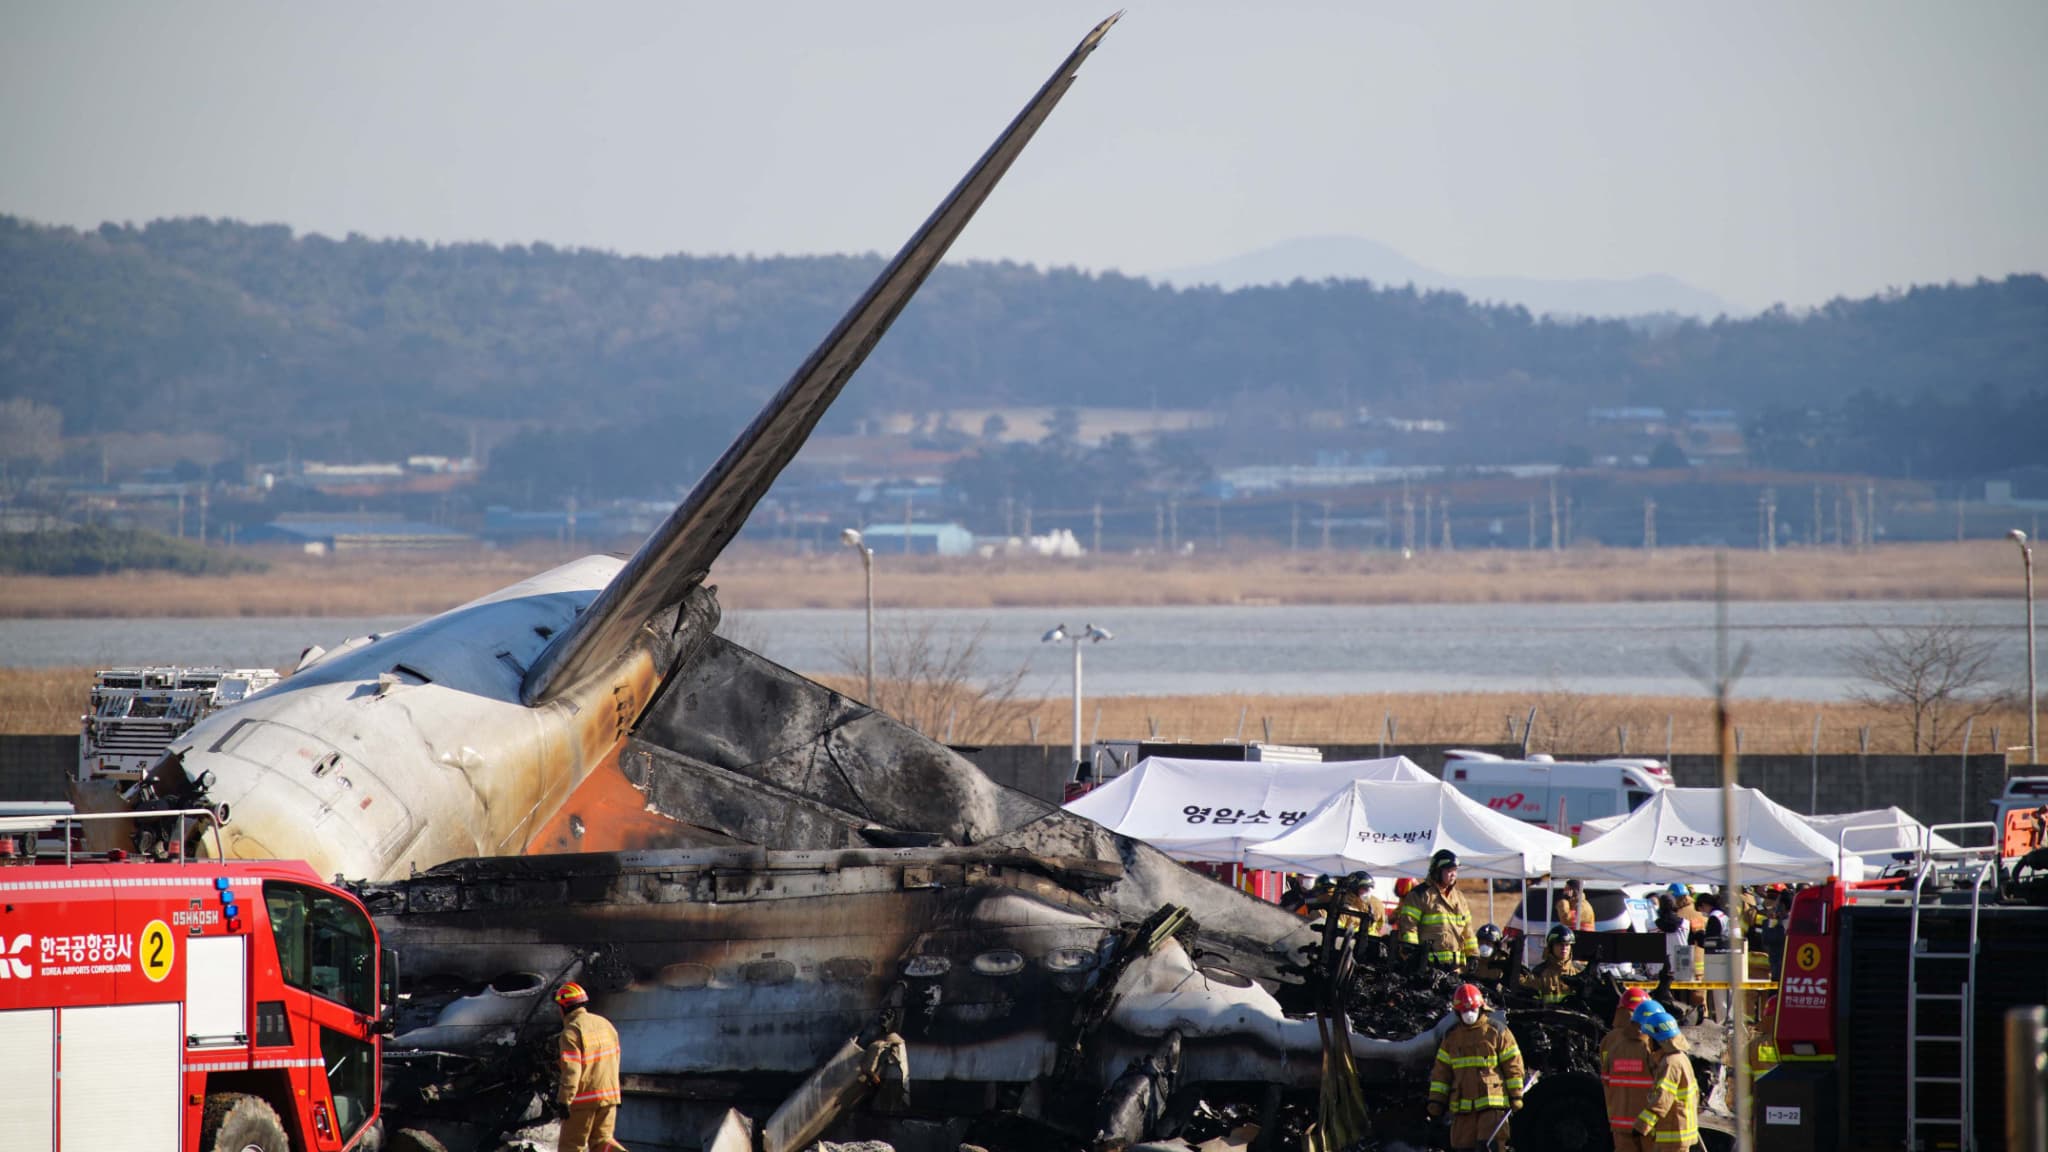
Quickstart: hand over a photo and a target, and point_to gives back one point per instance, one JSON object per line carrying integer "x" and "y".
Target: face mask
{"x": 1470, "y": 1017}
{"x": 1485, "y": 950}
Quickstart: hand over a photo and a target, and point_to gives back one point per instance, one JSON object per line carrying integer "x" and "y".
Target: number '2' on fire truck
{"x": 167, "y": 1007}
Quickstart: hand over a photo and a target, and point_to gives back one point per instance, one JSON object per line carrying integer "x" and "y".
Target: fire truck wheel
{"x": 238, "y": 1123}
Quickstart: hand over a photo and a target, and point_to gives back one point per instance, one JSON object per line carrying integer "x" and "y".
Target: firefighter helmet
{"x": 1468, "y": 999}
{"x": 1559, "y": 934}
{"x": 1633, "y": 999}
{"x": 1442, "y": 859}
{"x": 1489, "y": 934}
{"x": 571, "y": 994}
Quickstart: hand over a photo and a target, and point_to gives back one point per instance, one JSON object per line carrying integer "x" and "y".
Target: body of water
{"x": 1796, "y": 650}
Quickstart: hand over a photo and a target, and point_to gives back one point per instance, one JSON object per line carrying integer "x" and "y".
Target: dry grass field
{"x": 403, "y": 584}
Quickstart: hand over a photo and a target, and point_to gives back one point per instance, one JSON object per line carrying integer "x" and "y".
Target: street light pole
{"x": 1088, "y": 632}
{"x": 851, "y": 538}
{"x": 2033, "y": 695}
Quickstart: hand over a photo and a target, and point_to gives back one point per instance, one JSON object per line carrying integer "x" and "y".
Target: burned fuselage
{"x": 733, "y": 973}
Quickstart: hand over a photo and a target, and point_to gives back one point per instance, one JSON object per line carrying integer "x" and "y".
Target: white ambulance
{"x": 1555, "y": 794}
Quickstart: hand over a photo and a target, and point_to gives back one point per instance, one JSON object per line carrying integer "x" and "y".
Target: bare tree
{"x": 934, "y": 683}
{"x": 1933, "y": 677}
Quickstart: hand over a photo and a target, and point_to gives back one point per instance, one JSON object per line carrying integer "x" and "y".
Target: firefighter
{"x": 1360, "y": 906}
{"x": 1694, "y": 920}
{"x": 1296, "y": 898}
{"x": 1491, "y": 962}
{"x": 1435, "y": 919}
{"x": 1477, "y": 1078}
{"x": 1551, "y": 979}
{"x": 1670, "y": 1119}
{"x": 1625, "y": 1070}
{"x": 587, "y": 1095}
{"x": 1571, "y": 908}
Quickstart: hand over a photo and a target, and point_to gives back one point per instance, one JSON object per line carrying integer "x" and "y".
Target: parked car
{"x": 1629, "y": 908}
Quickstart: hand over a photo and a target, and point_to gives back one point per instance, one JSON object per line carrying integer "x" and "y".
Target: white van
{"x": 1554, "y": 794}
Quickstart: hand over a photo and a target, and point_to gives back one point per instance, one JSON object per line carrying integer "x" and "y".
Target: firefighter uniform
{"x": 1477, "y": 1078}
{"x": 1548, "y": 980}
{"x": 1578, "y": 916}
{"x": 1670, "y": 1119}
{"x": 1363, "y": 909}
{"x": 1624, "y": 1077}
{"x": 589, "y": 1084}
{"x": 1439, "y": 921}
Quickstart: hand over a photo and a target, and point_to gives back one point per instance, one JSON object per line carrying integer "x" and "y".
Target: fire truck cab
{"x": 187, "y": 1005}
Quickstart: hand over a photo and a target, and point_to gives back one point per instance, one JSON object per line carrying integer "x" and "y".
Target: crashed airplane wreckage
{"x": 779, "y": 894}
{"x": 1018, "y": 966}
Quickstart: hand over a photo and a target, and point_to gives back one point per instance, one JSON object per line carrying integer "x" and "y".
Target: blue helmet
{"x": 1656, "y": 1022}
{"x": 1676, "y": 890}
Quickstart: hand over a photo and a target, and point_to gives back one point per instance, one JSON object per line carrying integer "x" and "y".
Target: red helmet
{"x": 1468, "y": 999}
{"x": 1403, "y": 885}
{"x": 571, "y": 994}
{"x": 1631, "y": 998}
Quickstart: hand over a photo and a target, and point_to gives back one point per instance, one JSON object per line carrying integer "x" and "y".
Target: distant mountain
{"x": 1355, "y": 258}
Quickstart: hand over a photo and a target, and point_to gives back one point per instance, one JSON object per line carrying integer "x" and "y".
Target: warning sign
{"x": 1809, "y": 956}
{"x": 158, "y": 952}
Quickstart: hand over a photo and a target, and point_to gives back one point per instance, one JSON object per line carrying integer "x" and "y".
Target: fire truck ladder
{"x": 1952, "y": 976}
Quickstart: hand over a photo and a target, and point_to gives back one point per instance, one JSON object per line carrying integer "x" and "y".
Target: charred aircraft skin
{"x": 731, "y": 973}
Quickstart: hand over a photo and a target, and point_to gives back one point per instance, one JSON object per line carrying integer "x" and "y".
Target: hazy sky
{"x": 1769, "y": 151}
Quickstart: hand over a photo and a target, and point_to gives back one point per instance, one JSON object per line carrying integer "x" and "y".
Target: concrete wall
{"x": 35, "y": 767}
{"x": 1936, "y": 789}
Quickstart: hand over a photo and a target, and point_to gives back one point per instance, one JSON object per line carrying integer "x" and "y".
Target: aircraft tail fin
{"x": 679, "y": 553}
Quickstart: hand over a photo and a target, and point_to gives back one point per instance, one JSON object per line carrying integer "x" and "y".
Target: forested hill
{"x": 250, "y": 330}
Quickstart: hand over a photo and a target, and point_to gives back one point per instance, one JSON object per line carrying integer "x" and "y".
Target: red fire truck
{"x": 174, "y": 1006}
{"x": 1889, "y": 1027}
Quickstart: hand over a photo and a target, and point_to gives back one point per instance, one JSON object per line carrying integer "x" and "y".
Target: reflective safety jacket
{"x": 1624, "y": 1074}
{"x": 1671, "y": 1115}
{"x": 1548, "y": 980}
{"x": 590, "y": 1061}
{"x": 1478, "y": 1069}
{"x": 1365, "y": 910}
{"x": 1441, "y": 922}
{"x": 1578, "y": 918}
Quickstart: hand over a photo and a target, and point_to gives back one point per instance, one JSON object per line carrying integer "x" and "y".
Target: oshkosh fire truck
{"x": 189, "y": 1005}
{"x": 1889, "y": 1028}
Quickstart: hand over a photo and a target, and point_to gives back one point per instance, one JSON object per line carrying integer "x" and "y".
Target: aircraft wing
{"x": 679, "y": 553}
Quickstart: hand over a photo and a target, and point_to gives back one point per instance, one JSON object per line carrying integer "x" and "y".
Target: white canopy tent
{"x": 1212, "y": 810}
{"x": 1590, "y": 830}
{"x": 1394, "y": 827}
{"x": 1678, "y": 836}
{"x": 1878, "y": 833}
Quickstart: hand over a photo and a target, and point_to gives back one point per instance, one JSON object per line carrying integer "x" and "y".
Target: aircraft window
{"x": 769, "y": 972}
{"x": 1000, "y": 962}
{"x": 845, "y": 970}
